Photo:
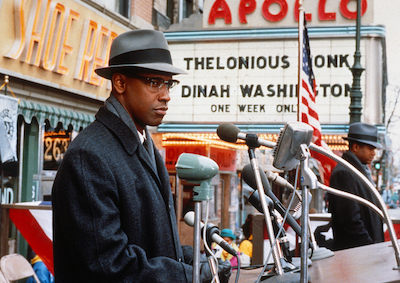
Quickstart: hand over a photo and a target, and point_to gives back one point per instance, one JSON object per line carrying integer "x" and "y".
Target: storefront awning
{"x": 53, "y": 114}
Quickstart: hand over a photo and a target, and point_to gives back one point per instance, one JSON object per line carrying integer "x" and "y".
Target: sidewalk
{"x": 394, "y": 213}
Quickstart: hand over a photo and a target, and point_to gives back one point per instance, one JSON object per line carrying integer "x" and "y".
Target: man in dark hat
{"x": 113, "y": 212}
{"x": 353, "y": 223}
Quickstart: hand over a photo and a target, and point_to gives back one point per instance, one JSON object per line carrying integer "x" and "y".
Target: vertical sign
{"x": 8, "y": 128}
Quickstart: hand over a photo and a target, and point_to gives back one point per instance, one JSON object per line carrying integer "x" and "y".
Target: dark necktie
{"x": 146, "y": 145}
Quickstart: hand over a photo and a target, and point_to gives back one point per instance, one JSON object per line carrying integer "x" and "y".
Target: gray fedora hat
{"x": 363, "y": 133}
{"x": 139, "y": 50}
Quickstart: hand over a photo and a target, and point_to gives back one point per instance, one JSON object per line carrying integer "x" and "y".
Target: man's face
{"x": 144, "y": 106}
{"x": 365, "y": 153}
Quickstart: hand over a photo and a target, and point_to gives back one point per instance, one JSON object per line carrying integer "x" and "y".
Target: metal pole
{"x": 304, "y": 235}
{"x": 357, "y": 69}
{"x": 308, "y": 181}
{"x": 267, "y": 216}
{"x": 196, "y": 242}
{"x": 300, "y": 57}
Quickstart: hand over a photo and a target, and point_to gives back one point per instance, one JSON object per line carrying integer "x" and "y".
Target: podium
{"x": 371, "y": 263}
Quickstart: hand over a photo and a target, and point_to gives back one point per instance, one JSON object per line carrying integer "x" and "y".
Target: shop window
{"x": 55, "y": 144}
{"x": 123, "y": 8}
{"x": 187, "y": 8}
{"x": 187, "y": 199}
{"x": 214, "y": 211}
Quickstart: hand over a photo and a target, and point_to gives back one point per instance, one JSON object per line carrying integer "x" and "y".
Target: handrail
{"x": 375, "y": 192}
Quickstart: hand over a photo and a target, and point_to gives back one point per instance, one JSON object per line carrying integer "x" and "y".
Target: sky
{"x": 386, "y": 13}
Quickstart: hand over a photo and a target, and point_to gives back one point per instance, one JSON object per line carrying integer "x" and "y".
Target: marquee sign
{"x": 256, "y": 81}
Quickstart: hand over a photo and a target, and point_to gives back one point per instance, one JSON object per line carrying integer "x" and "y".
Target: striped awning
{"x": 54, "y": 115}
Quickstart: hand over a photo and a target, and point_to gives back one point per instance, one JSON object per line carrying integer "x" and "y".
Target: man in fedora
{"x": 355, "y": 224}
{"x": 113, "y": 211}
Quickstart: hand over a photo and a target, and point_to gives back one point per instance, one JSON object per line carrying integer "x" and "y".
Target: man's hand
{"x": 224, "y": 270}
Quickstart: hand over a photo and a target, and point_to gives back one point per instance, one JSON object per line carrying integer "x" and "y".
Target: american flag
{"x": 307, "y": 105}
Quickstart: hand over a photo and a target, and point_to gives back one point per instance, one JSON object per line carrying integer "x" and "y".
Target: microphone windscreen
{"x": 291, "y": 137}
{"x": 248, "y": 176}
{"x": 250, "y": 179}
{"x": 189, "y": 218}
{"x": 228, "y": 132}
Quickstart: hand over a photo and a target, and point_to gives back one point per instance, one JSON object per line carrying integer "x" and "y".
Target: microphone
{"x": 254, "y": 198}
{"x": 189, "y": 220}
{"x": 288, "y": 144}
{"x": 230, "y": 133}
{"x": 282, "y": 182}
{"x": 296, "y": 207}
{"x": 249, "y": 178}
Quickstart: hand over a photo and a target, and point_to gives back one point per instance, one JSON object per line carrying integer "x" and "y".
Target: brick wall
{"x": 142, "y": 9}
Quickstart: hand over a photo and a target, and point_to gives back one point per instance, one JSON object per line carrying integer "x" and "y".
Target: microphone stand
{"x": 308, "y": 181}
{"x": 318, "y": 252}
{"x": 213, "y": 267}
{"x": 267, "y": 216}
{"x": 196, "y": 242}
{"x": 200, "y": 193}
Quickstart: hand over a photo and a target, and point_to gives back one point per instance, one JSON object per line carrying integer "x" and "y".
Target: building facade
{"x": 241, "y": 59}
{"x": 242, "y": 63}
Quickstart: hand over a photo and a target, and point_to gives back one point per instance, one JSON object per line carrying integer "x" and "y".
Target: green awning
{"x": 54, "y": 115}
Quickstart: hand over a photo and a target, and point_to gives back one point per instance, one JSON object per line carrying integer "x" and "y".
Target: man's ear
{"x": 118, "y": 82}
{"x": 355, "y": 147}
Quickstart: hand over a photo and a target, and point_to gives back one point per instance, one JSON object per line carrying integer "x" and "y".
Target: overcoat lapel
{"x": 145, "y": 158}
{"x": 131, "y": 142}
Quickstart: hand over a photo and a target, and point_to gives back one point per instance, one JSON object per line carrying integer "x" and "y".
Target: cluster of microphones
{"x": 285, "y": 152}
{"x": 289, "y": 151}
{"x": 286, "y": 157}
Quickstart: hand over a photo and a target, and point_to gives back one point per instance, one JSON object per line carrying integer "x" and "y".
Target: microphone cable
{"x": 214, "y": 272}
{"x": 214, "y": 258}
{"x": 238, "y": 268}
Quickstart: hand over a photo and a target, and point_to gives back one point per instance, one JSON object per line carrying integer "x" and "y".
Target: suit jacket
{"x": 353, "y": 223}
{"x": 113, "y": 214}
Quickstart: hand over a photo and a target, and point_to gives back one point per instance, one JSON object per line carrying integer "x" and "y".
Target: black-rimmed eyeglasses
{"x": 156, "y": 83}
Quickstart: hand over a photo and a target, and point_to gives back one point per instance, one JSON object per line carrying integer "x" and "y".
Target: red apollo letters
{"x": 221, "y": 10}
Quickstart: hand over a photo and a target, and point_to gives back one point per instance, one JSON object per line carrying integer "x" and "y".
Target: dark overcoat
{"x": 113, "y": 215}
{"x": 353, "y": 223}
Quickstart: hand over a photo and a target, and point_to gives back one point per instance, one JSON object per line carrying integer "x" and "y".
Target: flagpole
{"x": 300, "y": 57}
{"x": 304, "y": 216}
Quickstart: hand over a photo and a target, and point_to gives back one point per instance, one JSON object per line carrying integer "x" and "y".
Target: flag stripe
{"x": 310, "y": 105}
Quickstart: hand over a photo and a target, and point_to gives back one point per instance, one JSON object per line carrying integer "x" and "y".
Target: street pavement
{"x": 394, "y": 213}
